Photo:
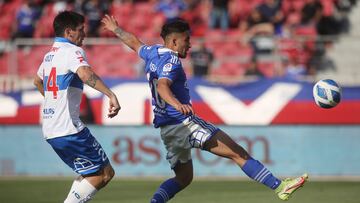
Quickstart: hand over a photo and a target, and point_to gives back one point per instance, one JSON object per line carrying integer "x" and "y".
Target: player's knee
{"x": 188, "y": 179}
{"x": 108, "y": 175}
{"x": 111, "y": 173}
{"x": 185, "y": 180}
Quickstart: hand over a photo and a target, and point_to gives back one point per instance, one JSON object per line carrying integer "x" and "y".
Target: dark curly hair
{"x": 66, "y": 19}
{"x": 174, "y": 26}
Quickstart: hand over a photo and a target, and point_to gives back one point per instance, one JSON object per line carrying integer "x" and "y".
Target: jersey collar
{"x": 62, "y": 39}
{"x": 163, "y": 50}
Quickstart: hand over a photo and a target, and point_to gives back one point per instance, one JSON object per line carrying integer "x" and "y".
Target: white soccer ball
{"x": 327, "y": 93}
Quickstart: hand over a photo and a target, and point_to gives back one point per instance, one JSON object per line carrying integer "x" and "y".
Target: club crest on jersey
{"x": 167, "y": 67}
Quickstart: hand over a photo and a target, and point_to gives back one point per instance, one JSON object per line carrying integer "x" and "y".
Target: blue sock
{"x": 257, "y": 171}
{"x": 166, "y": 191}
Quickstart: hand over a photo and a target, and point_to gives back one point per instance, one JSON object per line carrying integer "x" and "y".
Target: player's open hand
{"x": 110, "y": 23}
{"x": 114, "y": 106}
{"x": 185, "y": 109}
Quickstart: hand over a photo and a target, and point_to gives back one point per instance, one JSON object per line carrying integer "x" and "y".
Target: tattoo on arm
{"x": 120, "y": 32}
{"x": 123, "y": 35}
{"x": 91, "y": 81}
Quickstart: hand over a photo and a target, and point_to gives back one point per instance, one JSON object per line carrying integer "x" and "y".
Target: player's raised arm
{"x": 128, "y": 38}
{"x": 90, "y": 78}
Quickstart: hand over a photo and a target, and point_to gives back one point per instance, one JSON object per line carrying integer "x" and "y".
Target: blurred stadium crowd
{"x": 232, "y": 38}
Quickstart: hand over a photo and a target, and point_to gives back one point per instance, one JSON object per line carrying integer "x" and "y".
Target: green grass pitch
{"x": 53, "y": 190}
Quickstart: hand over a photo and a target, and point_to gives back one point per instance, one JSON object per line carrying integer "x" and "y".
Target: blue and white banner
{"x": 260, "y": 102}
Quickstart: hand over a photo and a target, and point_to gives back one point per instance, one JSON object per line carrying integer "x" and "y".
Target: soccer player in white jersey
{"x": 180, "y": 128}
{"x": 60, "y": 80}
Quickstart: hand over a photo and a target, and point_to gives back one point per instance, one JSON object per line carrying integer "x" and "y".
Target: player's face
{"x": 77, "y": 36}
{"x": 183, "y": 44}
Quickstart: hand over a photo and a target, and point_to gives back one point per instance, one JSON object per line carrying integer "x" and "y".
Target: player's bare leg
{"x": 222, "y": 145}
{"x": 102, "y": 178}
{"x": 184, "y": 174}
{"x": 168, "y": 189}
{"x": 85, "y": 187}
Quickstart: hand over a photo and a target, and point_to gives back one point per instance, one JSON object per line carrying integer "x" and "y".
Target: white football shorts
{"x": 178, "y": 139}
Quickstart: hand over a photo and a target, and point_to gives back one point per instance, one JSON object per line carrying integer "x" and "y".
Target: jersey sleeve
{"x": 145, "y": 51}
{"x": 77, "y": 58}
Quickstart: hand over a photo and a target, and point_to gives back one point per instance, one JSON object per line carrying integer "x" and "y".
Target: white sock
{"x": 74, "y": 184}
{"x": 81, "y": 192}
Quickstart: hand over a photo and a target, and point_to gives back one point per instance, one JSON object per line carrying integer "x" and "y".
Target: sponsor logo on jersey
{"x": 49, "y": 111}
{"x": 152, "y": 67}
{"x": 80, "y": 56}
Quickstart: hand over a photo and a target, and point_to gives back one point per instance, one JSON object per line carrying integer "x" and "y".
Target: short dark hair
{"x": 174, "y": 26}
{"x": 67, "y": 19}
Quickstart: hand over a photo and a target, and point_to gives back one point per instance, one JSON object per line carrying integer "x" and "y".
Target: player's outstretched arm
{"x": 163, "y": 88}
{"x": 128, "y": 38}
{"x": 90, "y": 78}
{"x": 38, "y": 82}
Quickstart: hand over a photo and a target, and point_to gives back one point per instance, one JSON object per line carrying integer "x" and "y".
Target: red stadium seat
{"x": 29, "y": 59}
{"x": 4, "y": 59}
{"x": 266, "y": 68}
{"x": 328, "y": 7}
{"x": 229, "y": 69}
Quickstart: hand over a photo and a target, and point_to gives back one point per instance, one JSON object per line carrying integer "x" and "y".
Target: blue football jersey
{"x": 161, "y": 62}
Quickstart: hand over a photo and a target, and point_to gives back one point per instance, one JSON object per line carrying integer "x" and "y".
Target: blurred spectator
{"x": 253, "y": 70}
{"x": 260, "y": 34}
{"x": 171, "y": 9}
{"x": 319, "y": 61}
{"x": 344, "y": 7}
{"x": 201, "y": 59}
{"x": 94, "y": 10}
{"x": 311, "y": 12}
{"x": 328, "y": 25}
{"x": 78, "y": 6}
{"x": 271, "y": 13}
{"x": 219, "y": 15}
{"x": 26, "y": 19}
{"x": 256, "y": 24}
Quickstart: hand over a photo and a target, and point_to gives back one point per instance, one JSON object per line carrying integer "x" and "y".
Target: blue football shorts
{"x": 81, "y": 152}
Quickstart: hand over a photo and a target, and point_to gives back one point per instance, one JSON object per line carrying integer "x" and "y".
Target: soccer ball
{"x": 327, "y": 93}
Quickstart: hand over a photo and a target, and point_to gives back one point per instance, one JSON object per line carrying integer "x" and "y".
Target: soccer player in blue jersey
{"x": 60, "y": 80}
{"x": 180, "y": 128}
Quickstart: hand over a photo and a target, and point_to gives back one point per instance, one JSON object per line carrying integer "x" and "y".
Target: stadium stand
{"x": 233, "y": 54}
